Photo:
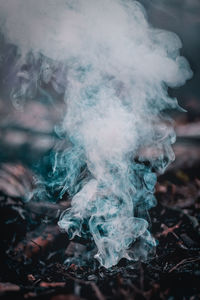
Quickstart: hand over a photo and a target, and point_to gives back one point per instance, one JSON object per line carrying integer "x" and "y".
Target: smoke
{"x": 119, "y": 69}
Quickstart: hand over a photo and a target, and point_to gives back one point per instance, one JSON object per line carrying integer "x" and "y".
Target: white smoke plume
{"x": 119, "y": 69}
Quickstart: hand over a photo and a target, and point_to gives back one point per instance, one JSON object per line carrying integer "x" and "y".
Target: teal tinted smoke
{"x": 119, "y": 69}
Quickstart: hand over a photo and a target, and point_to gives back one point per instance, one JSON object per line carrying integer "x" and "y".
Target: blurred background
{"x": 183, "y": 18}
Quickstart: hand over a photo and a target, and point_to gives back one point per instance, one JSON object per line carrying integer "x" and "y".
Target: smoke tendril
{"x": 117, "y": 72}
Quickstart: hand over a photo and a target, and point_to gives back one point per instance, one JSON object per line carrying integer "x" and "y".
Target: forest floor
{"x": 33, "y": 249}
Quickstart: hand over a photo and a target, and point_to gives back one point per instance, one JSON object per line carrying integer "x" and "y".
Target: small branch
{"x": 184, "y": 261}
{"x": 168, "y": 230}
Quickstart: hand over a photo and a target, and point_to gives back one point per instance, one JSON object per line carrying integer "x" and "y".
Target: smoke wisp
{"x": 119, "y": 69}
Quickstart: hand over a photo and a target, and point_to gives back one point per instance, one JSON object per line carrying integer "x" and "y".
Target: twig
{"x": 168, "y": 230}
{"x": 184, "y": 261}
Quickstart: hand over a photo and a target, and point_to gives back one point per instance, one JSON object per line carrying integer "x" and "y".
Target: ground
{"x": 34, "y": 250}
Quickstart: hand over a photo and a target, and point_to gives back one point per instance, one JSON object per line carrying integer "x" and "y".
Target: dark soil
{"x": 33, "y": 250}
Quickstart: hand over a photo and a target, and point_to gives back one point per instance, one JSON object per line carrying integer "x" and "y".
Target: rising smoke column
{"x": 119, "y": 69}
